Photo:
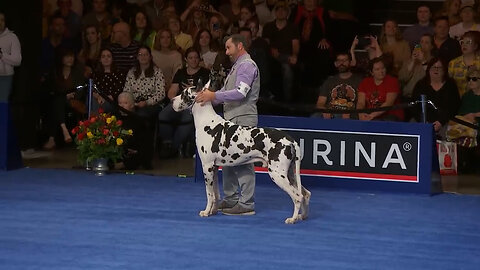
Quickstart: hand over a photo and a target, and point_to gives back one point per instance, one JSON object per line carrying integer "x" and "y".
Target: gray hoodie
{"x": 11, "y": 52}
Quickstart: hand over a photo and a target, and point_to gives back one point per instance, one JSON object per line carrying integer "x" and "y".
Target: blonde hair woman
{"x": 392, "y": 42}
{"x": 166, "y": 56}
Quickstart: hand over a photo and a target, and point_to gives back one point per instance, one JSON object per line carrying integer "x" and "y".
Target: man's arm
{"x": 246, "y": 74}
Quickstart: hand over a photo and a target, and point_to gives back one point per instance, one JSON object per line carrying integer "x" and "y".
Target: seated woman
{"x": 91, "y": 46}
{"x": 458, "y": 67}
{"x": 62, "y": 82}
{"x": 393, "y": 44}
{"x": 379, "y": 90}
{"x": 442, "y": 91}
{"x": 146, "y": 83}
{"x": 414, "y": 69}
{"x": 165, "y": 55}
{"x": 142, "y": 29}
{"x": 137, "y": 152}
{"x": 208, "y": 50}
{"x": 173, "y": 136}
{"x": 469, "y": 148}
{"x": 108, "y": 80}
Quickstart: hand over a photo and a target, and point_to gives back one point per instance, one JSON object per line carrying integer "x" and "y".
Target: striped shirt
{"x": 125, "y": 58}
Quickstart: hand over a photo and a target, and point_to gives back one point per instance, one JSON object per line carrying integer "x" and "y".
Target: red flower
{"x": 86, "y": 124}
{"x": 116, "y": 133}
{"x": 106, "y": 131}
{"x": 80, "y": 136}
{"x": 101, "y": 141}
{"x": 93, "y": 119}
{"x": 119, "y": 122}
{"x": 100, "y": 110}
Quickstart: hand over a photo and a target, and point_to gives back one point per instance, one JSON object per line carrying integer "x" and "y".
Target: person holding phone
{"x": 10, "y": 57}
{"x": 414, "y": 69}
{"x": 364, "y": 48}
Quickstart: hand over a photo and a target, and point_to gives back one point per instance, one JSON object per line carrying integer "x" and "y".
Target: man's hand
{"x": 437, "y": 126}
{"x": 292, "y": 59}
{"x": 70, "y": 96}
{"x": 327, "y": 116}
{"x": 365, "y": 116}
{"x": 205, "y": 96}
{"x": 323, "y": 44}
{"x": 275, "y": 53}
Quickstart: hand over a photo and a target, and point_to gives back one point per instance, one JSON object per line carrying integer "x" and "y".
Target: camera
{"x": 363, "y": 41}
{"x": 204, "y": 6}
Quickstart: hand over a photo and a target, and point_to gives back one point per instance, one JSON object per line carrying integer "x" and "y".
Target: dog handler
{"x": 239, "y": 96}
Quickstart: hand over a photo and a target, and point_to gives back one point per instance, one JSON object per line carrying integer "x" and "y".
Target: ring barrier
{"x": 367, "y": 155}
{"x": 10, "y": 157}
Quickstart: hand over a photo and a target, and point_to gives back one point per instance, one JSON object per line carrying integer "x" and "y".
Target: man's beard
{"x": 343, "y": 69}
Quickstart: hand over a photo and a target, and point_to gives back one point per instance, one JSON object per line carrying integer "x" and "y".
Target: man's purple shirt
{"x": 246, "y": 73}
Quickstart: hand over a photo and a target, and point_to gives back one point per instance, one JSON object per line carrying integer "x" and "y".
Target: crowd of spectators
{"x": 155, "y": 48}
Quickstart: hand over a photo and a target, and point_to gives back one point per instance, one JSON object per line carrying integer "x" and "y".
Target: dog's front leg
{"x": 211, "y": 188}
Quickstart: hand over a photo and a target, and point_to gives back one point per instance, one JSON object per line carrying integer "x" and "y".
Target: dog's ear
{"x": 207, "y": 85}
{"x": 199, "y": 85}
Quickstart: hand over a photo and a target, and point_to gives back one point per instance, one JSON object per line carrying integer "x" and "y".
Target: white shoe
{"x": 32, "y": 154}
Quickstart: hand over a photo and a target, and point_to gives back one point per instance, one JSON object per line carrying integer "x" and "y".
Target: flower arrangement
{"x": 101, "y": 136}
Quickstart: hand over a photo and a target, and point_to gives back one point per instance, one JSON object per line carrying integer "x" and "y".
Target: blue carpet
{"x": 56, "y": 219}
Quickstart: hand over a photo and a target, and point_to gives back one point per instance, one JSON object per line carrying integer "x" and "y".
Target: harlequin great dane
{"x": 223, "y": 143}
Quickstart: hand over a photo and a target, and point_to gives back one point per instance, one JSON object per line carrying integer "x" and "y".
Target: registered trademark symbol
{"x": 407, "y": 146}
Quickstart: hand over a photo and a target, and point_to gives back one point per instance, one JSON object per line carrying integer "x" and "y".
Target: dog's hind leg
{"x": 280, "y": 178}
{"x": 306, "y": 201}
{"x": 211, "y": 188}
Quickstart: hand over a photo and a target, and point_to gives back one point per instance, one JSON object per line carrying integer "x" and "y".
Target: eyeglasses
{"x": 437, "y": 67}
{"x": 473, "y": 79}
{"x": 466, "y": 42}
{"x": 143, "y": 54}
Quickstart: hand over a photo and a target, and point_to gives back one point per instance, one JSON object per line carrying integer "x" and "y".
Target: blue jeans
{"x": 175, "y": 134}
{"x": 6, "y": 83}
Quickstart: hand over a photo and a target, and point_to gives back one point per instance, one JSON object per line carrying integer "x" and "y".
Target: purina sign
{"x": 371, "y": 156}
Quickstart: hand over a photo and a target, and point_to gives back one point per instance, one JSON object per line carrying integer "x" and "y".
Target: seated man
{"x": 138, "y": 152}
{"x": 339, "y": 91}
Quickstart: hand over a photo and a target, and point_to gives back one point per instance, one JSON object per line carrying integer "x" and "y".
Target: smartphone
{"x": 363, "y": 41}
{"x": 417, "y": 48}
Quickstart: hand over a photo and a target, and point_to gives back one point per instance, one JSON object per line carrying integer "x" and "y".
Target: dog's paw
{"x": 203, "y": 213}
{"x": 291, "y": 220}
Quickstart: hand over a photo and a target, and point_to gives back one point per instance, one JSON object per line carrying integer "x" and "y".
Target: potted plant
{"x": 100, "y": 139}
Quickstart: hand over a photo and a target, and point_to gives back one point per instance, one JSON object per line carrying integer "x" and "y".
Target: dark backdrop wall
{"x": 26, "y": 21}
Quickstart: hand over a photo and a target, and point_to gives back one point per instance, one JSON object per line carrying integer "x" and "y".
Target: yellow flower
{"x": 113, "y": 118}
{"x": 130, "y": 132}
{"x": 119, "y": 141}
{"x": 109, "y": 120}
{"x": 89, "y": 135}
